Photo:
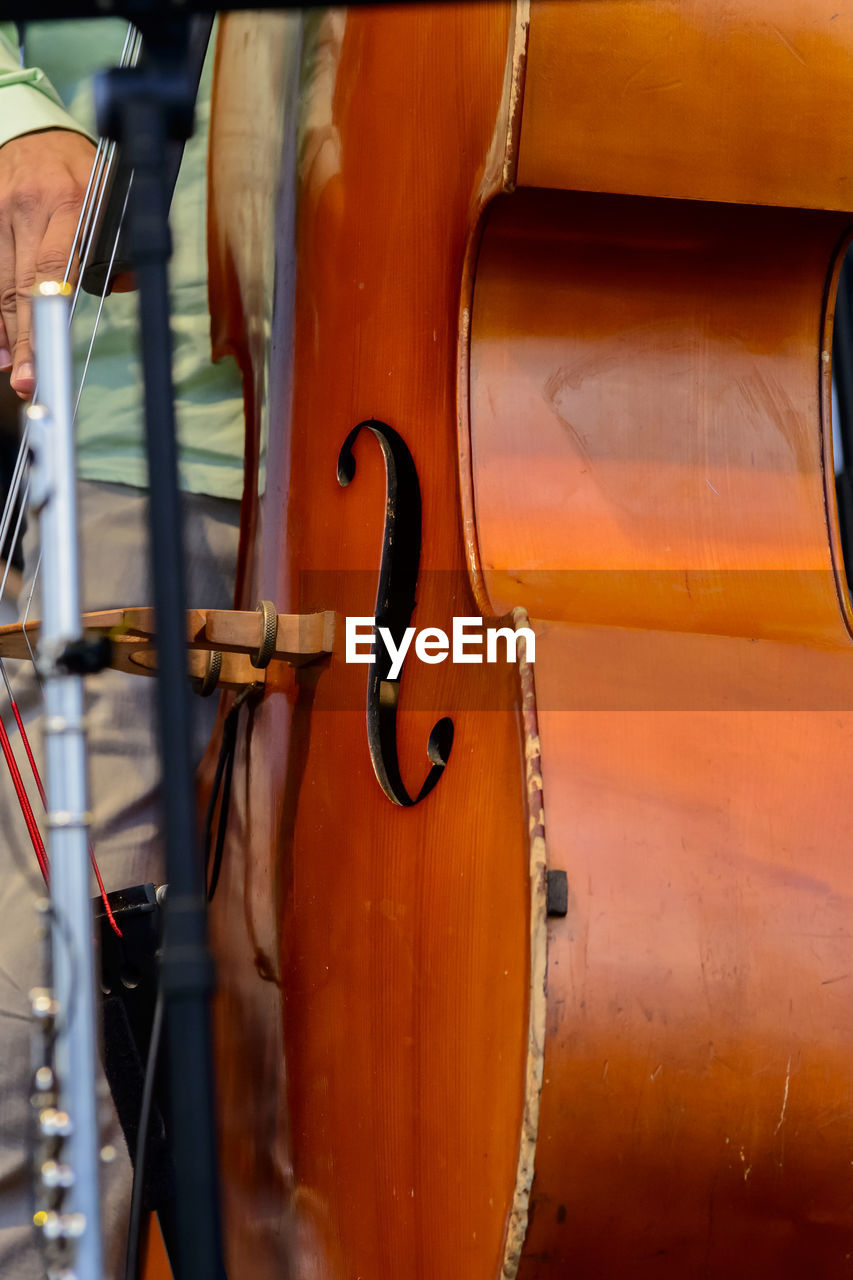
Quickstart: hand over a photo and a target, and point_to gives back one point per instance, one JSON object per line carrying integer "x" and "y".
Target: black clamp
{"x": 86, "y": 656}
{"x": 556, "y": 893}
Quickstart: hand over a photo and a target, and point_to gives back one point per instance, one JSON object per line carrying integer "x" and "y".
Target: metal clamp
{"x": 207, "y": 685}
{"x": 269, "y": 632}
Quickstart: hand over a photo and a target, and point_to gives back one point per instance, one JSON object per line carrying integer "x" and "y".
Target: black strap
{"x": 221, "y": 790}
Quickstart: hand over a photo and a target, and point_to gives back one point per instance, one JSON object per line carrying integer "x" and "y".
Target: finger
{"x": 40, "y": 258}
{"x": 7, "y": 294}
{"x": 5, "y": 350}
{"x": 55, "y": 248}
{"x": 27, "y": 241}
{"x": 29, "y": 223}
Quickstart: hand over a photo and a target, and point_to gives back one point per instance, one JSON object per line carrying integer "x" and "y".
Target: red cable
{"x": 107, "y": 908}
{"x": 23, "y": 800}
{"x": 19, "y": 722}
{"x": 34, "y": 767}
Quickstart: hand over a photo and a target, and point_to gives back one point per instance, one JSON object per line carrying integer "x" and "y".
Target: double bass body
{"x": 601, "y": 328}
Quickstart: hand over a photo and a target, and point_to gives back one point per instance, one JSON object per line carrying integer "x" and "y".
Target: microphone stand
{"x": 143, "y": 108}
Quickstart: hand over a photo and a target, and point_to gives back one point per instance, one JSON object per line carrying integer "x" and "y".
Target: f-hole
{"x": 395, "y": 602}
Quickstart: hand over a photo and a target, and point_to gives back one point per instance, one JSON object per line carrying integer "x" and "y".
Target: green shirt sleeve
{"x": 28, "y": 101}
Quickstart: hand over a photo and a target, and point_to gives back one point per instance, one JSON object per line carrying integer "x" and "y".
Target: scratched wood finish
{"x": 697, "y": 1034}
{"x": 700, "y": 99}
{"x": 649, "y": 414}
{"x": 646, "y": 389}
{"x": 695, "y": 1115}
{"x": 395, "y": 941}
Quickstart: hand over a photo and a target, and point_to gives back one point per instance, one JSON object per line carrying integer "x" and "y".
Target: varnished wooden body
{"x": 695, "y": 687}
{"x": 393, "y": 941}
{"x": 659, "y": 383}
{"x": 703, "y": 100}
{"x": 642, "y": 394}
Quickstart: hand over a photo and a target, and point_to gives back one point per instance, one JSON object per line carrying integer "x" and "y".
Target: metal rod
{"x": 52, "y": 493}
{"x": 142, "y": 108}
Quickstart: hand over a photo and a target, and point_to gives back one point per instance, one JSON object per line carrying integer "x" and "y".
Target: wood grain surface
{"x": 647, "y": 383}
{"x": 649, "y": 450}
{"x": 641, "y": 382}
{"x": 374, "y": 960}
{"x": 699, "y": 99}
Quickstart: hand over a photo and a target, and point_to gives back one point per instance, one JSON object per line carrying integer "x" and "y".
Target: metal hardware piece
{"x": 55, "y": 1124}
{"x": 42, "y": 1003}
{"x": 269, "y": 631}
{"x": 61, "y": 724}
{"x": 68, "y": 819}
{"x": 64, "y": 1226}
{"x": 207, "y": 685}
{"x": 54, "y": 1174}
{"x": 557, "y": 893}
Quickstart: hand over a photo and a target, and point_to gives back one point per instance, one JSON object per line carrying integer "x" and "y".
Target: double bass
{"x": 565, "y": 993}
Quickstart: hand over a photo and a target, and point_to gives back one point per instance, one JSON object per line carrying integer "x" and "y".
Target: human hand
{"x": 43, "y": 178}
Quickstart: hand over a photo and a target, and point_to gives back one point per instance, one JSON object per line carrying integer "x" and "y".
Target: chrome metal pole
{"x": 74, "y": 1231}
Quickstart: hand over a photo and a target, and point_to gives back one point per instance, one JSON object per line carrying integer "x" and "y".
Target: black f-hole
{"x": 395, "y": 601}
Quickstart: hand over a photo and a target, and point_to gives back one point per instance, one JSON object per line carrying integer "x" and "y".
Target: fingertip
{"x": 5, "y": 359}
{"x": 23, "y": 380}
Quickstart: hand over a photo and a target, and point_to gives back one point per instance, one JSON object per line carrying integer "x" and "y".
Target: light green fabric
{"x": 208, "y": 397}
{"x": 27, "y": 94}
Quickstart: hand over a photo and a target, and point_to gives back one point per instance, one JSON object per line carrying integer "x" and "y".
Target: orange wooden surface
{"x": 646, "y": 388}
{"x": 404, "y": 949}
{"x": 695, "y": 1114}
{"x": 649, "y": 422}
{"x": 156, "y": 1261}
{"x": 693, "y": 98}
{"x": 393, "y": 941}
{"x": 645, "y": 471}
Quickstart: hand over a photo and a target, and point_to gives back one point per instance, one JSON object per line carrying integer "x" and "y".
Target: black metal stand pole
{"x": 142, "y": 108}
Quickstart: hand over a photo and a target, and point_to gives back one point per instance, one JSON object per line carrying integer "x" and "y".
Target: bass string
{"x": 86, "y": 221}
{"x": 97, "y": 321}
